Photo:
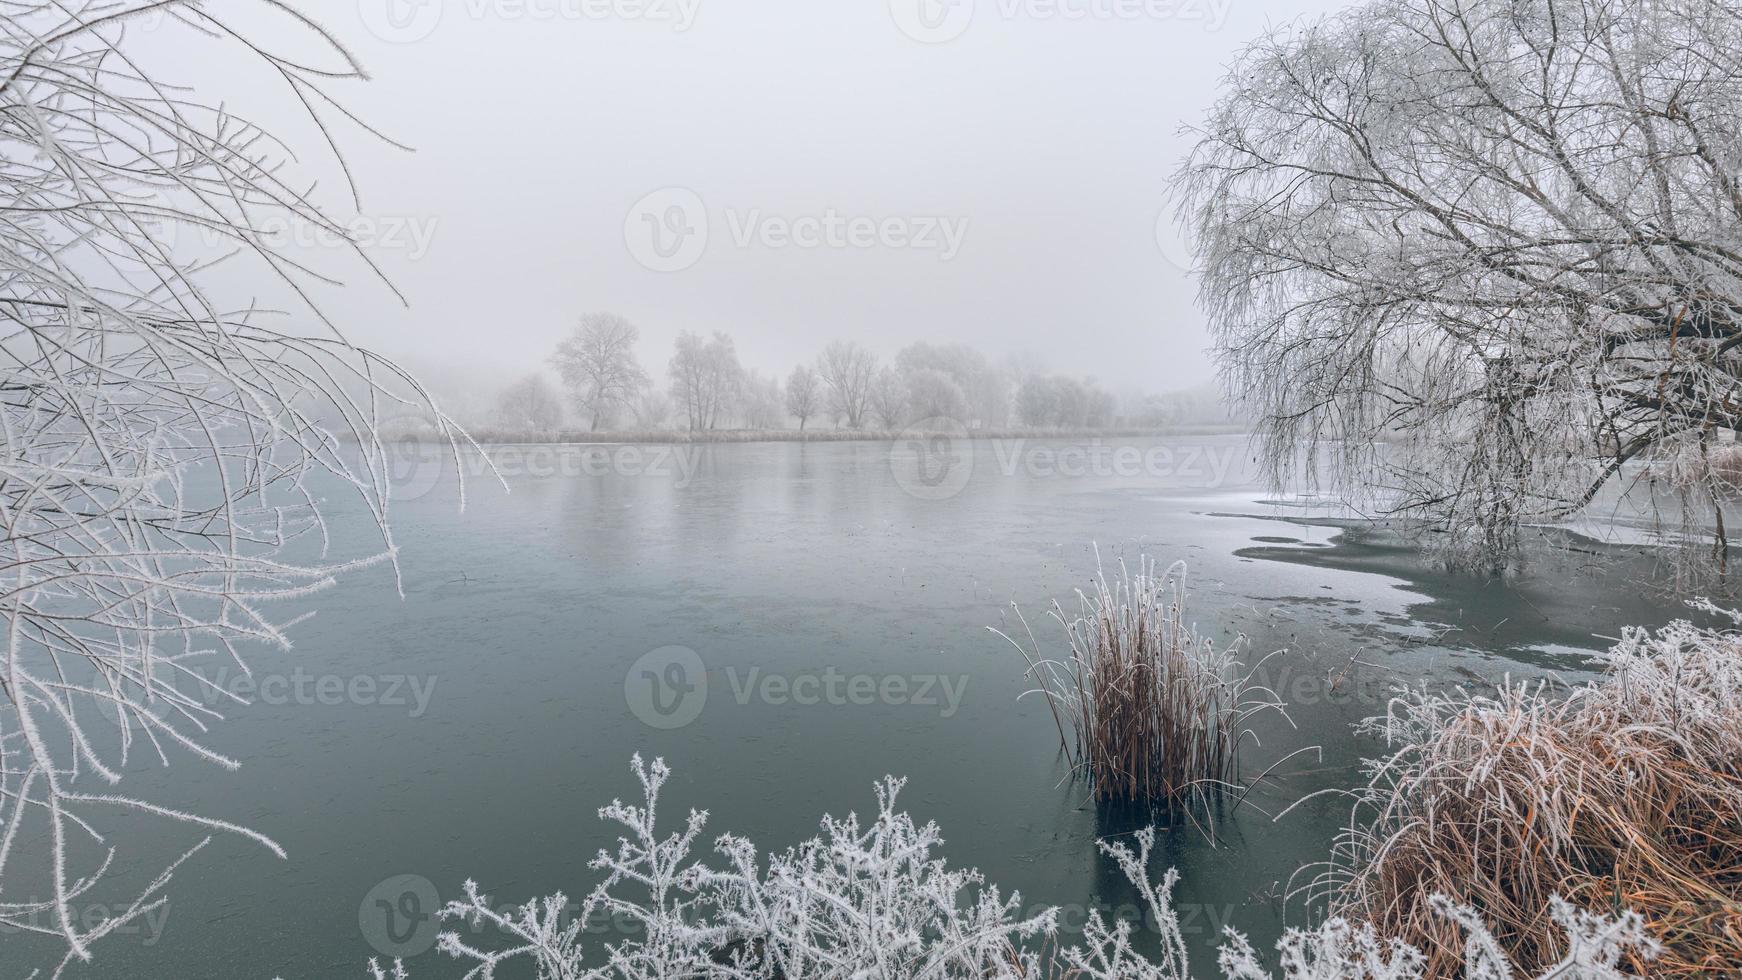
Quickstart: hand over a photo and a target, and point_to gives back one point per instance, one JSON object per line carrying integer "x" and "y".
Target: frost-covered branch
{"x": 166, "y": 449}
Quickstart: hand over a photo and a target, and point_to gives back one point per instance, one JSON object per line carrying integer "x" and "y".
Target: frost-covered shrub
{"x": 877, "y": 901}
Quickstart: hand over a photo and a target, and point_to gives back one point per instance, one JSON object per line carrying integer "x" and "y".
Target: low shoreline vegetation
{"x": 1624, "y": 793}
{"x": 1158, "y": 711}
{"x": 878, "y": 900}
{"x": 581, "y": 437}
{"x": 1583, "y": 833}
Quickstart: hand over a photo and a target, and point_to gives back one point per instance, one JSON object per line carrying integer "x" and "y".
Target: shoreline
{"x": 728, "y": 436}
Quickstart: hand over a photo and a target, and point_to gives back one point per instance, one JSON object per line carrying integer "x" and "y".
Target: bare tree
{"x": 846, "y": 370}
{"x": 888, "y": 399}
{"x": 985, "y": 391}
{"x": 1503, "y": 235}
{"x": 705, "y": 375}
{"x": 935, "y": 394}
{"x": 652, "y": 409}
{"x": 161, "y": 450}
{"x": 530, "y": 404}
{"x": 761, "y": 404}
{"x": 598, "y": 364}
{"x": 803, "y": 394}
{"x": 1037, "y": 401}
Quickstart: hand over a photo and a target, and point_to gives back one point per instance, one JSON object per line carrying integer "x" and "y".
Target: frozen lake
{"x": 785, "y": 623}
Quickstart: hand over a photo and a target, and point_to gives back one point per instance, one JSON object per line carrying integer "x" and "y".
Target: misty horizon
{"x": 810, "y": 173}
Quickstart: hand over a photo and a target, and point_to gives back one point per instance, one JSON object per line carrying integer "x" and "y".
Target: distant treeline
{"x": 507, "y": 436}
{"x": 604, "y": 389}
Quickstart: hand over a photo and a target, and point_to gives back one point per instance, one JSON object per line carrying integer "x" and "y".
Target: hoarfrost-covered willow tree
{"x": 165, "y": 454}
{"x": 1502, "y": 237}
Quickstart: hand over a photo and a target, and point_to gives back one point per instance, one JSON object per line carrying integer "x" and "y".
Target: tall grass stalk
{"x": 1158, "y": 711}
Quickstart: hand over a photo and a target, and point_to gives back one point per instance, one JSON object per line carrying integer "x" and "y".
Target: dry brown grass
{"x": 1158, "y": 711}
{"x": 1625, "y": 795}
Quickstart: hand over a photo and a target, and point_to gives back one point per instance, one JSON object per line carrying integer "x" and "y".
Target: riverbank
{"x": 489, "y": 437}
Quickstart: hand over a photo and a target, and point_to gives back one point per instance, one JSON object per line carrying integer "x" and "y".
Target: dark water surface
{"x": 473, "y": 728}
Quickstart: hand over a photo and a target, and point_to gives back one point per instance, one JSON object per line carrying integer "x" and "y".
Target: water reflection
{"x": 798, "y": 561}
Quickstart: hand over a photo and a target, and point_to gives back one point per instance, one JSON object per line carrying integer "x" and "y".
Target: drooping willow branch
{"x": 1484, "y": 253}
{"x": 165, "y": 456}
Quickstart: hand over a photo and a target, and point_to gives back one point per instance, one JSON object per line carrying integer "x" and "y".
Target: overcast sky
{"x": 790, "y": 171}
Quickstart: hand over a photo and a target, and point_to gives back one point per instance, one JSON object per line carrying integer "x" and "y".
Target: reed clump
{"x": 1157, "y": 711}
{"x": 1625, "y": 794}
